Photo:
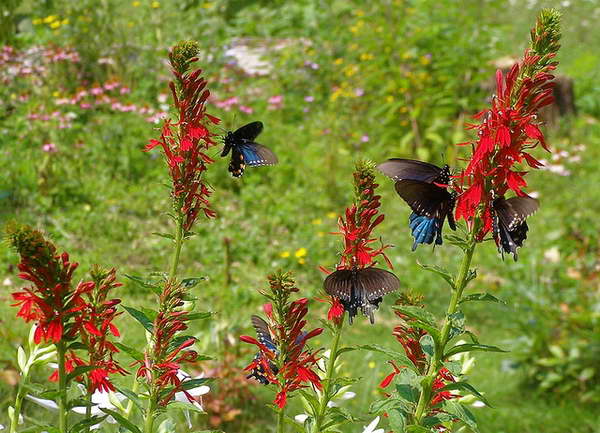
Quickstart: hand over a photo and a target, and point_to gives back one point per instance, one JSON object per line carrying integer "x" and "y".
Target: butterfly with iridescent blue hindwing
{"x": 244, "y": 151}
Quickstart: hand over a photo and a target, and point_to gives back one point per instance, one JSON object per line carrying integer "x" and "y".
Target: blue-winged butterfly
{"x": 361, "y": 288}
{"x": 421, "y": 185}
{"x": 244, "y": 151}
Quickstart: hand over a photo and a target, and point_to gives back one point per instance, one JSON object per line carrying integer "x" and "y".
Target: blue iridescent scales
{"x": 244, "y": 151}
{"x": 423, "y": 187}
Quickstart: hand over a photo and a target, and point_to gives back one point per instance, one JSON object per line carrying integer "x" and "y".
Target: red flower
{"x": 186, "y": 142}
{"x": 388, "y": 379}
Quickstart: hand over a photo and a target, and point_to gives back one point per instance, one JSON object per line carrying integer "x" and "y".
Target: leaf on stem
{"x": 400, "y": 358}
{"x": 464, "y": 386}
{"x": 482, "y": 297}
{"x": 462, "y": 413}
{"x": 123, "y": 422}
{"x": 441, "y": 272}
{"x": 471, "y": 348}
{"x": 140, "y": 317}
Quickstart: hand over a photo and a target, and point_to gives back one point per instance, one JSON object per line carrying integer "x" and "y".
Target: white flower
{"x": 194, "y": 392}
{"x": 371, "y": 427}
{"x": 300, "y": 418}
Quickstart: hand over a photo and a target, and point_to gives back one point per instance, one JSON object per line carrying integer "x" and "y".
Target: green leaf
{"x": 78, "y": 371}
{"x": 134, "y": 353}
{"x": 146, "y": 284}
{"x": 417, "y": 313}
{"x": 337, "y": 416}
{"x": 439, "y": 418}
{"x": 311, "y": 401}
{"x": 470, "y": 348}
{"x": 441, "y": 272}
{"x": 76, "y": 345}
{"x": 83, "y": 425}
{"x": 464, "y": 386}
{"x": 184, "y": 405}
{"x": 189, "y": 283}
{"x": 457, "y": 324}
{"x": 397, "y": 420}
{"x": 408, "y": 386}
{"x": 417, "y": 429}
{"x": 133, "y": 397}
{"x": 21, "y": 359}
{"x": 179, "y": 340}
{"x": 200, "y": 316}
{"x": 457, "y": 241}
{"x": 297, "y": 426}
{"x": 390, "y": 403}
{"x": 346, "y": 349}
{"x": 164, "y": 235}
{"x": 194, "y": 383}
{"x": 462, "y": 413}
{"x": 401, "y": 358}
{"x": 428, "y": 345}
{"x": 123, "y": 422}
{"x": 140, "y": 317}
{"x": 454, "y": 367}
{"x": 150, "y": 313}
{"x": 482, "y": 297}
{"x": 471, "y": 275}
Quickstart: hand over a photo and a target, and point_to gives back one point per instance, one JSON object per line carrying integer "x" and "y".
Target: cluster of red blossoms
{"x": 283, "y": 358}
{"x": 64, "y": 313}
{"x": 510, "y": 128}
{"x": 361, "y": 218}
{"x": 162, "y": 361}
{"x": 186, "y": 142}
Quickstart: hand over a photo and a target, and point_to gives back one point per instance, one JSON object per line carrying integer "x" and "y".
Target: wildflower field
{"x": 299, "y": 216}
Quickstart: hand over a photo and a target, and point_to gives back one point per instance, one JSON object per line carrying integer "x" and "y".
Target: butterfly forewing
{"x": 262, "y": 329}
{"x": 377, "y": 282}
{"x": 339, "y": 284}
{"x": 248, "y": 132}
{"x": 398, "y": 168}
{"x": 515, "y": 210}
{"x": 256, "y": 155}
{"x": 424, "y": 198}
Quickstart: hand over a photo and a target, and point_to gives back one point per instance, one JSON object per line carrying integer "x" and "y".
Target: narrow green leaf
{"x": 311, "y": 400}
{"x": 433, "y": 331}
{"x": 192, "y": 282}
{"x": 200, "y": 316}
{"x": 417, "y": 429}
{"x": 457, "y": 324}
{"x": 470, "y": 348}
{"x": 164, "y": 235}
{"x": 464, "y": 386}
{"x": 415, "y": 312}
{"x": 297, "y": 426}
{"x": 482, "y": 297}
{"x": 427, "y": 344}
{"x": 184, "y": 405}
{"x": 76, "y": 345}
{"x": 83, "y": 425}
{"x": 194, "y": 383}
{"x": 387, "y": 404}
{"x": 140, "y": 317}
{"x": 441, "y": 272}
{"x": 123, "y": 422}
{"x": 179, "y": 340}
{"x": 150, "y": 313}
{"x": 133, "y": 397}
{"x": 78, "y": 371}
{"x": 146, "y": 284}
{"x": 346, "y": 349}
{"x": 134, "y": 353}
{"x": 462, "y": 413}
{"x": 401, "y": 358}
{"x": 437, "y": 419}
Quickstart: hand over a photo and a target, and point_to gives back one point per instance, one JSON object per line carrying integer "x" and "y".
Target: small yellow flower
{"x": 207, "y": 5}
{"x": 338, "y": 61}
{"x": 320, "y": 234}
{"x": 366, "y": 56}
{"x": 331, "y": 215}
{"x": 64, "y": 22}
{"x": 50, "y": 18}
{"x": 284, "y": 254}
{"x": 301, "y": 261}
{"x": 404, "y": 109}
{"x": 130, "y": 24}
{"x": 404, "y": 123}
{"x": 301, "y": 252}
{"x": 371, "y": 364}
{"x": 425, "y": 60}
{"x": 54, "y": 24}
{"x": 389, "y": 98}
{"x": 36, "y": 21}
{"x": 155, "y": 5}
{"x": 135, "y": 4}
{"x": 56, "y": 93}
{"x": 359, "y": 13}
{"x": 317, "y": 221}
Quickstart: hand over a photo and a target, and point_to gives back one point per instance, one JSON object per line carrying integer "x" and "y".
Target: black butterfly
{"x": 264, "y": 336}
{"x": 244, "y": 151}
{"x": 416, "y": 183}
{"x": 508, "y": 222}
{"x": 361, "y": 288}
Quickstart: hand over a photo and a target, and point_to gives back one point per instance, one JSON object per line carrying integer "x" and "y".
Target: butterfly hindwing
{"x": 244, "y": 151}
{"x": 256, "y": 155}
{"x": 509, "y": 227}
{"x": 424, "y": 198}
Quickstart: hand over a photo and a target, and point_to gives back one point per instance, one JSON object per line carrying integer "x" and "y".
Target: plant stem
{"x": 178, "y": 241}
{"x": 460, "y": 283}
{"x": 88, "y": 409}
{"x": 280, "y": 420}
{"x": 149, "y": 422}
{"x": 330, "y": 370}
{"x": 14, "y": 422}
{"x": 62, "y": 387}
{"x": 129, "y": 407}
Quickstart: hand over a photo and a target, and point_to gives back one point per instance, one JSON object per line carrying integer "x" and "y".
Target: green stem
{"x": 280, "y": 420}
{"x": 178, "y": 242}
{"x": 129, "y": 407}
{"x": 436, "y": 363}
{"x": 14, "y": 422}
{"x": 149, "y": 422}
{"x": 320, "y": 415}
{"x": 88, "y": 409}
{"x": 62, "y": 388}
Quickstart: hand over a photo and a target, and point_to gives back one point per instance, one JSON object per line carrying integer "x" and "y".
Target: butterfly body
{"x": 361, "y": 289}
{"x": 423, "y": 186}
{"x": 509, "y": 227}
{"x": 245, "y": 151}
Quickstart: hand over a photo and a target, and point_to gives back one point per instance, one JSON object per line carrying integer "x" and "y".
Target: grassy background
{"x": 102, "y": 200}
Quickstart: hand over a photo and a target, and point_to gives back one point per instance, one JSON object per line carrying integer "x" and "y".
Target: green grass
{"x": 105, "y": 199}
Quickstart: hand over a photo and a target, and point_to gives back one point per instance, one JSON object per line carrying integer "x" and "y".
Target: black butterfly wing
{"x": 247, "y": 132}
{"x": 256, "y": 155}
{"x": 509, "y": 225}
{"x": 375, "y": 282}
{"x": 339, "y": 284}
{"x": 425, "y": 199}
{"x": 262, "y": 330}
{"x": 399, "y": 168}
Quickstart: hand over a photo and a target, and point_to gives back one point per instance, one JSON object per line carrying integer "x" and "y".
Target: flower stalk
{"x": 62, "y": 387}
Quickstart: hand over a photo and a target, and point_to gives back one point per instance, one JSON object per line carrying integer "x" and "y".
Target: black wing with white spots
{"x": 264, "y": 336}
{"x": 399, "y": 168}
{"x": 244, "y": 151}
{"x": 509, "y": 224}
